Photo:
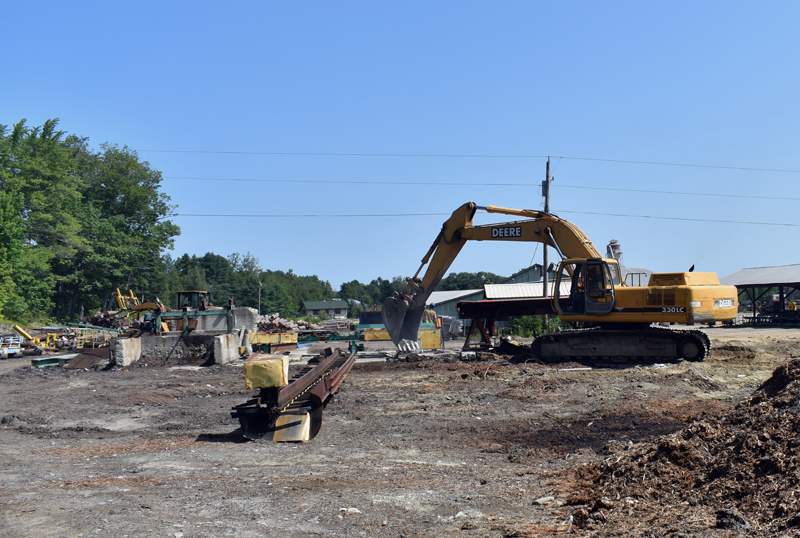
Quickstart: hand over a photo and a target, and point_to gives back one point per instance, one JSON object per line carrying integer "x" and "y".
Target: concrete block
{"x": 226, "y": 348}
{"x": 246, "y": 318}
{"x": 213, "y": 323}
{"x": 125, "y": 351}
{"x": 248, "y": 347}
{"x": 178, "y": 347}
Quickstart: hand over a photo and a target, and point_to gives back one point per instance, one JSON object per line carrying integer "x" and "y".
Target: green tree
{"x": 220, "y": 277}
{"x": 37, "y": 169}
{"x": 11, "y": 247}
{"x": 124, "y": 226}
{"x": 468, "y": 281}
{"x": 91, "y": 221}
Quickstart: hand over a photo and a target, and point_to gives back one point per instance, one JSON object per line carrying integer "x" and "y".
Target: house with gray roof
{"x": 334, "y": 309}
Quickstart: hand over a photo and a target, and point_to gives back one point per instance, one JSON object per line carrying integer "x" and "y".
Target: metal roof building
{"x": 782, "y": 275}
{"x": 446, "y": 301}
{"x": 525, "y": 290}
{"x": 757, "y": 282}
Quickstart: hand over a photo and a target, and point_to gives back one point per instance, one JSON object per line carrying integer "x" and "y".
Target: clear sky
{"x": 189, "y": 84}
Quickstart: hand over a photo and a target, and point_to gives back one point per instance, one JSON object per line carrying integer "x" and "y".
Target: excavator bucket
{"x": 402, "y": 318}
{"x": 394, "y": 314}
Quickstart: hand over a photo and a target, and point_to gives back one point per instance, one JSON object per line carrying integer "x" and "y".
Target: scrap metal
{"x": 277, "y": 414}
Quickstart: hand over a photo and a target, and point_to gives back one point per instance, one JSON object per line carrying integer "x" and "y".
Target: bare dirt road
{"x": 437, "y": 447}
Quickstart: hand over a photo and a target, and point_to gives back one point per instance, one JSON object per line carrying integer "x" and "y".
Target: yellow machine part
{"x": 430, "y": 338}
{"x": 273, "y": 338}
{"x": 22, "y": 332}
{"x": 126, "y": 302}
{"x": 266, "y": 371}
{"x": 292, "y": 428}
{"x": 668, "y": 298}
{"x": 673, "y": 304}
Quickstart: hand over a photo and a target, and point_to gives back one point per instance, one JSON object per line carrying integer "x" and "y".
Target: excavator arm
{"x": 402, "y": 313}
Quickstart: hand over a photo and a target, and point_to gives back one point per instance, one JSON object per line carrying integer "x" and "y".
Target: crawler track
{"x": 622, "y": 345}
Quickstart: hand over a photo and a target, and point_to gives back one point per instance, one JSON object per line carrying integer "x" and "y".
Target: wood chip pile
{"x": 735, "y": 472}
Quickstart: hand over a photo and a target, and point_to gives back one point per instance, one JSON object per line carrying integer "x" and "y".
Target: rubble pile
{"x": 336, "y": 324}
{"x": 276, "y": 324}
{"x": 741, "y": 470}
{"x": 111, "y": 319}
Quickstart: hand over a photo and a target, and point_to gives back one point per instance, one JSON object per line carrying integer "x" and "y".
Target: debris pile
{"x": 739, "y": 471}
{"x": 112, "y": 319}
{"x": 276, "y": 324}
{"x": 336, "y": 324}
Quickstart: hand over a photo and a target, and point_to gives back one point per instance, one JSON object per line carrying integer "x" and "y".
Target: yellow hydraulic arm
{"x": 402, "y": 313}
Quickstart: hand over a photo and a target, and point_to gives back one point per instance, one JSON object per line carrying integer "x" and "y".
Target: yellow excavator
{"x": 620, "y": 317}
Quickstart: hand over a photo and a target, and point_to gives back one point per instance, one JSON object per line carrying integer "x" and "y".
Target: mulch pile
{"x": 739, "y": 471}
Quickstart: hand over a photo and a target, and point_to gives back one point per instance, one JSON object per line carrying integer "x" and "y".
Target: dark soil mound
{"x": 739, "y": 471}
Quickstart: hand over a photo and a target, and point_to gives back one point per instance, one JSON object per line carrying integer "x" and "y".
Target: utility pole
{"x": 546, "y": 194}
{"x": 259, "y": 297}
{"x": 545, "y": 257}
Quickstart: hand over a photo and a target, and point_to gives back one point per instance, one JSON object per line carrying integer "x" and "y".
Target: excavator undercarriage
{"x": 620, "y": 345}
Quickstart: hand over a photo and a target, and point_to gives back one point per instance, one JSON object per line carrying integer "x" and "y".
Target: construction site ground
{"x": 425, "y": 446}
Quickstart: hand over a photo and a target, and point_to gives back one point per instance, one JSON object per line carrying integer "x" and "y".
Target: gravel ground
{"x": 437, "y": 447}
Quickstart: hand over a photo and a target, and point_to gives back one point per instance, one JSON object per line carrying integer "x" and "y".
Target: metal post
{"x": 259, "y": 297}
{"x": 545, "y": 257}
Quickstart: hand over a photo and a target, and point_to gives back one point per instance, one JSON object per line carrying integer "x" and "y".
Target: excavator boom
{"x": 402, "y": 313}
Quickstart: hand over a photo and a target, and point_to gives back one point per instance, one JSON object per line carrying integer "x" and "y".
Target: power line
{"x": 683, "y": 219}
{"x": 467, "y": 156}
{"x": 314, "y": 216}
{"x": 378, "y": 215}
{"x": 450, "y": 184}
{"x": 346, "y": 182}
{"x": 720, "y": 195}
{"x": 687, "y": 165}
{"x": 320, "y": 154}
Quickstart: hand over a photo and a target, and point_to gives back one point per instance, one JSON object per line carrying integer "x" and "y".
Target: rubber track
{"x": 678, "y": 335}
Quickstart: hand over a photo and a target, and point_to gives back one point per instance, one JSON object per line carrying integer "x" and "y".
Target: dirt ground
{"x": 439, "y": 447}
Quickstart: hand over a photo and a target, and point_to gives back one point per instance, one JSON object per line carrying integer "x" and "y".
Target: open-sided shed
{"x": 757, "y": 282}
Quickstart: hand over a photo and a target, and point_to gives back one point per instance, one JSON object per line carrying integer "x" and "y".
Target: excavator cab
{"x": 591, "y": 286}
{"x": 194, "y": 300}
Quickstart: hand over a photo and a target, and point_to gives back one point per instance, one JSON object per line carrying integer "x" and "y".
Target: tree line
{"x": 76, "y": 224}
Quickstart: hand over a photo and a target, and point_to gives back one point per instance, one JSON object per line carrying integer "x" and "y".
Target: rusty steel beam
{"x": 298, "y": 386}
{"x": 330, "y": 384}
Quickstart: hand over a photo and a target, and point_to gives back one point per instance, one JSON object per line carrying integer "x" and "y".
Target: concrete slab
{"x": 125, "y": 351}
{"x": 226, "y": 348}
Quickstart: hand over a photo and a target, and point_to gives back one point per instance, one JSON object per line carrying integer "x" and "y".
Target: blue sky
{"x": 710, "y": 83}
